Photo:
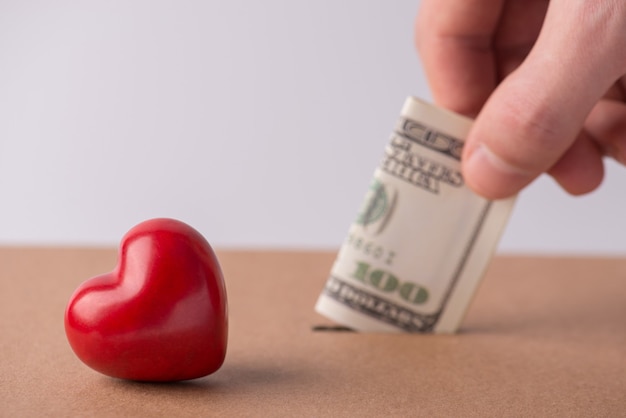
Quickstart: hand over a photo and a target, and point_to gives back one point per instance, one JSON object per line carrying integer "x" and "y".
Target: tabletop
{"x": 544, "y": 336}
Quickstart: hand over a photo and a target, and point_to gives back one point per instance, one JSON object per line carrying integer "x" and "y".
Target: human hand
{"x": 546, "y": 81}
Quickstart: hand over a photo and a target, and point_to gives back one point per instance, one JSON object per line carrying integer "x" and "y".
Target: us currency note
{"x": 421, "y": 242}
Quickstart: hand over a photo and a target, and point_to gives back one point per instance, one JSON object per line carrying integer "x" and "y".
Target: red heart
{"x": 161, "y": 315}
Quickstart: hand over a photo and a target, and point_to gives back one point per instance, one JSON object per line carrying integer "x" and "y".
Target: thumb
{"x": 536, "y": 115}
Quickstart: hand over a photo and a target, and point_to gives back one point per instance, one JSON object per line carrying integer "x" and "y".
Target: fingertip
{"x": 581, "y": 169}
{"x": 577, "y": 188}
{"x": 490, "y": 176}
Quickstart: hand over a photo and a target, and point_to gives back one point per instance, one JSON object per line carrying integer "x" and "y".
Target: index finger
{"x": 455, "y": 41}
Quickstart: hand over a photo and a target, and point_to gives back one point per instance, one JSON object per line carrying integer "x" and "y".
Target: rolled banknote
{"x": 422, "y": 240}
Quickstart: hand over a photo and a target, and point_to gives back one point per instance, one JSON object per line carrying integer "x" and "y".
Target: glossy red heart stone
{"x": 161, "y": 315}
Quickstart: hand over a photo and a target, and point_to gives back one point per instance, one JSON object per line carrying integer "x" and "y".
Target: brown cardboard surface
{"x": 544, "y": 337}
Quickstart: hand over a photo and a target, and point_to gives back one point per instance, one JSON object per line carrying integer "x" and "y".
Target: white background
{"x": 257, "y": 122}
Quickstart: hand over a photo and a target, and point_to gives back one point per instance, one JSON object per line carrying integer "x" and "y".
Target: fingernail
{"x": 491, "y": 176}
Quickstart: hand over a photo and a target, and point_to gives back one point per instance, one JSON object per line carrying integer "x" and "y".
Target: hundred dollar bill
{"x": 422, "y": 240}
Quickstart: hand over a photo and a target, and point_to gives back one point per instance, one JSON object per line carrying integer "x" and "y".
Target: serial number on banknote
{"x": 370, "y": 248}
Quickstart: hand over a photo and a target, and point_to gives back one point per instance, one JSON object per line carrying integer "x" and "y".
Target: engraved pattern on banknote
{"x": 428, "y": 137}
{"x": 405, "y": 160}
{"x": 379, "y": 308}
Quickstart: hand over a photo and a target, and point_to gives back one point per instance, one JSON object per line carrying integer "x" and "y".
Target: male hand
{"x": 545, "y": 80}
